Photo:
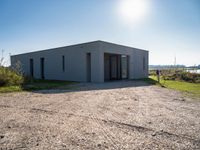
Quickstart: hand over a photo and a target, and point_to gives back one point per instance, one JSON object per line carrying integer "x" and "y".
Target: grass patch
{"x": 7, "y": 89}
{"x": 190, "y": 88}
{"x": 37, "y": 85}
{"x": 150, "y": 81}
{"x": 46, "y": 84}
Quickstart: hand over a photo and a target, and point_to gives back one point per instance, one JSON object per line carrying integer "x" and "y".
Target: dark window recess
{"x": 42, "y": 68}
{"x": 88, "y": 57}
{"x": 31, "y": 68}
{"x": 144, "y": 63}
{"x": 63, "y": 63}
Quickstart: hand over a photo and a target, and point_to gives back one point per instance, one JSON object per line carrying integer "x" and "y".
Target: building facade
{"x": 96, "y": 61}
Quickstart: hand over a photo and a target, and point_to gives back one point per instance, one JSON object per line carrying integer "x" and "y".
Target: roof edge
{"x": 79, "y": 45}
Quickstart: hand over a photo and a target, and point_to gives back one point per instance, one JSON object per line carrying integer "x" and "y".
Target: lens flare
{"x": 132, "y": 11}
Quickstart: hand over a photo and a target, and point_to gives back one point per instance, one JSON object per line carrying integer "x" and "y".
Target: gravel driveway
{"x": 114, "y": 115}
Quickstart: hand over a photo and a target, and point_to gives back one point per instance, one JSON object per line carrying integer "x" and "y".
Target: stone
{"x": 153, "y": 134}
{"x": 2, "y": 136}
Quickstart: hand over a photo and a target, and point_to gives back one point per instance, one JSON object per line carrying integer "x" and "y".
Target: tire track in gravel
{"x": 145, "y": 130}
{"x": 105, "y": 103}
{"x": 96, "y": 119}
{"x": 120, "y": 125}
{"x": 116, "y": 117}
{"x": 126, "y": 126}
{"x": 108, "y": 124}
{"x": 106, "y": 133}
{"x": 164, "y": 134}
{"x": 5, "y": 106}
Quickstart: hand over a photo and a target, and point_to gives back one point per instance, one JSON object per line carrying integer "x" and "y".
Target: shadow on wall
{"x": 78, "y": 87}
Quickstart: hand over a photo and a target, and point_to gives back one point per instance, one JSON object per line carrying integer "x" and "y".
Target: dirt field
{"x": 115, "y": 115}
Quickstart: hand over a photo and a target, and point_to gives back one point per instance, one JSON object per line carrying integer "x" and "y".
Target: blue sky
{"x": 170, "y": 27}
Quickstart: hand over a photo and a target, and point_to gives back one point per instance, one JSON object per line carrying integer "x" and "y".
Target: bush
{"x": 179, "y": 75}
{"x": 10, "y": 77}
{"x": 186, "y": 76}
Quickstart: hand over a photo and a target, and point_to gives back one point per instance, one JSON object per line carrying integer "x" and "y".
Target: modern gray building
{"x": 96, "y": 61}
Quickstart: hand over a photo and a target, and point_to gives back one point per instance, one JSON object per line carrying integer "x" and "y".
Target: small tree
{"x": 10, "y": 76}
{"x": 17, "y": 67}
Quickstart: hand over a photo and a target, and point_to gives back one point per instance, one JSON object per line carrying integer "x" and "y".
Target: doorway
{"x": 115, "y": 67}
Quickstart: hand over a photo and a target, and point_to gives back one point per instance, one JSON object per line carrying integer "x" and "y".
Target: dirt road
{"x": 115, "y": 115}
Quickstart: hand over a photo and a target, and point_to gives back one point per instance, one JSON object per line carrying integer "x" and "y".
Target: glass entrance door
{"x": 124, "y": 66}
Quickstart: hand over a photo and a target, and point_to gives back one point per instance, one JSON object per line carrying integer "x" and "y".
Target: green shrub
{"x": 9, "y": 77}
{"x": 178, "y": 75}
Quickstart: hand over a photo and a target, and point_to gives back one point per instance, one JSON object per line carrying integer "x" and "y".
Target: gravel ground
{"x": 114, "y": 115}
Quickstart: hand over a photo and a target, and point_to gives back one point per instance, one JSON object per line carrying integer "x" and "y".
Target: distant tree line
{"x": 163, "y": 67}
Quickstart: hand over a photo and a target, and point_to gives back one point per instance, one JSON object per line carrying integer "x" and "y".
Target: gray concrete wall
{"x": 75, "y": 61}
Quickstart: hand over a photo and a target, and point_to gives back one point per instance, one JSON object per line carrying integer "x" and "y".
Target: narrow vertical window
{"x": 144, "y": 63}
{"x": 42, "y": 68}
{"x": 63, "y": 63}
{"x": 88, "y": 67}
{"x": 31, "y": 68}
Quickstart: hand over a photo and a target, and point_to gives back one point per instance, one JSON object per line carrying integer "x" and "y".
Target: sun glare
{"x": 132, "y": 11}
